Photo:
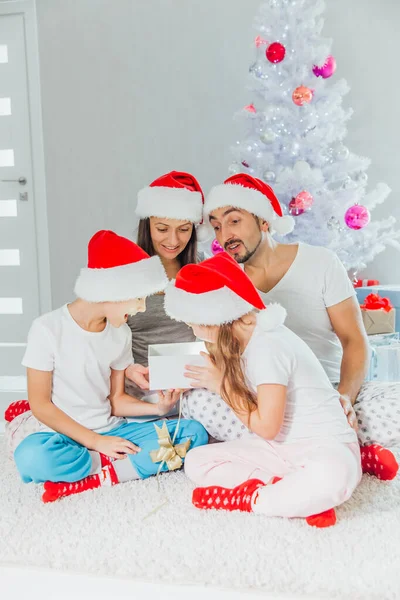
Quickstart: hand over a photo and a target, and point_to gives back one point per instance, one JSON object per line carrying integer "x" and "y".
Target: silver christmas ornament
{"x": 333, "y": 224}
{"x": 362, "y": 178}
{"x": 268, "y": 136}
{"x": 269, "y": 176}
{"x": 347, "y": 183}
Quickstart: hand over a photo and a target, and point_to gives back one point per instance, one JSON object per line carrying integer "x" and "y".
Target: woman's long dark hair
{"x": 188, "y": 256}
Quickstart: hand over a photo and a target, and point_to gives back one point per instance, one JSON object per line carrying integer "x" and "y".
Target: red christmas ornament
{"x": 275, "y": 52}
{"x": 250, "y": 108}
{"x": 302, "y": 95}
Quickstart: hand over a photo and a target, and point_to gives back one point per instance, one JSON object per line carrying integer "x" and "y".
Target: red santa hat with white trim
{"x": 175, "y": 195}
{"x": 118, "y": 270}
{"x": 253, "y": 195}
{"x": 217, "y": 291}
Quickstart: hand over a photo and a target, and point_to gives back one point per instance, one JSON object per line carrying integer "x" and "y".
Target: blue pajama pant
{"x": 48, "y": 456}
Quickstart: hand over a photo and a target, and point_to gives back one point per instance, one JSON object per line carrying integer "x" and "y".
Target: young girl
{"x": 169, "y": 209}
{"x": 303, "y": 459}
{"x": 76, "y": 359}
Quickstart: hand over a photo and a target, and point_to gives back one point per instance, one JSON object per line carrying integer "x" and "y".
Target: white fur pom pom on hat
{"x": 272, "y": 317}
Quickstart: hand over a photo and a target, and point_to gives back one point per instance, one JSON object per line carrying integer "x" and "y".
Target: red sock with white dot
{"x": 15, "y": 409}
{"x": 107, "y": 477}
{"x": 237, "y": 498}
{"x": 241, "y": 497}
{"x": 379, "y": 461}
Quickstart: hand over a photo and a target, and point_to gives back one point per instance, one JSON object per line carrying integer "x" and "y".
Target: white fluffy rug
{"x": 103, "y": 531}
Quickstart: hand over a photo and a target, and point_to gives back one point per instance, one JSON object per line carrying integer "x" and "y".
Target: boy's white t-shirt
{"x": 313, "y": 408}
{"x": 315, "y": 281}
{"x": 81, "y": 362}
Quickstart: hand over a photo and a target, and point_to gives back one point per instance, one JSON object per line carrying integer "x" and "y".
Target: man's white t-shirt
{"x": 81, "y": 362}
{"x": 313, "y": 408}
{"x": 315, "y": 281}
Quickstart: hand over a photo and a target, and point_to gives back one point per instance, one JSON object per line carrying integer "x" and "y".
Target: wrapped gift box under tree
{"x": 391, "y": 292}
{"x": 378, "y": 315}
{"x": 385, "y": 357}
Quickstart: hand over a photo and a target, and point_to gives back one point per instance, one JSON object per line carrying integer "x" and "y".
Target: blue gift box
{"x": 385, "y": 291}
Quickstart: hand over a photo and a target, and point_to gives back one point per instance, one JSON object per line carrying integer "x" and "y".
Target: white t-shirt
{"x": 315, "y": 281}
{"x": 313, "y": 408}
{"x": 81, "y": 362}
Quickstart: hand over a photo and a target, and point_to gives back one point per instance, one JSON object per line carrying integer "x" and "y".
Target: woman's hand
{"x": 208, "y": 377}
{"x": 167, "y": 401}
{"x": 113, "y": 446}
{"x": 139, "y": 375}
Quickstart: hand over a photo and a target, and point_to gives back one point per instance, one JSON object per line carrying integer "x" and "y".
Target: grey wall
{"x": 134, "y": 88}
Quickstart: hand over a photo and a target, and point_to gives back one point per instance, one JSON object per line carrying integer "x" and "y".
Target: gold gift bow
{"x": 167, "y": 452}
{"x": 157, "y": 508}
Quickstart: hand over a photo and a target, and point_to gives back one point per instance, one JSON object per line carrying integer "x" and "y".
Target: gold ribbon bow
{"x": 167, "y": 452}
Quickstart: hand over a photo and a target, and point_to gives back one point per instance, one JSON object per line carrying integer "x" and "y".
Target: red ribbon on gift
{"x": 364, "y": 282}
{"x": 375, "y": 302}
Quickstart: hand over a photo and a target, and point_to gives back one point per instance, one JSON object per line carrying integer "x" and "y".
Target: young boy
{"x": 76, "y": 357}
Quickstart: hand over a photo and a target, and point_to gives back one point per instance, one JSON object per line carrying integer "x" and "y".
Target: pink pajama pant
{"x": 316, "y": 475}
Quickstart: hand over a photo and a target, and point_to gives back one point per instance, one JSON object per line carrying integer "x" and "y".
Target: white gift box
{"x": 167, "y": 364}
{"x": 385, "y": 363}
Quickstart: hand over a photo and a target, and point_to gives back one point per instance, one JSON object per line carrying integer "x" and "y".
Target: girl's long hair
{"x": 186, "y": 257}
{"x": 226, "y": 354}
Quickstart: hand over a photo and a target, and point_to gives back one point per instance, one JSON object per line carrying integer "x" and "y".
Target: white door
{"x": 19, "y": 212}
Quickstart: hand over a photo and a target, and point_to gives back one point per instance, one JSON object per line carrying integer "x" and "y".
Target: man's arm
{"x": 348, "y": 325}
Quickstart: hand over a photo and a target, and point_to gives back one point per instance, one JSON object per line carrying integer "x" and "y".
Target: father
{"x": 309, "y": 281}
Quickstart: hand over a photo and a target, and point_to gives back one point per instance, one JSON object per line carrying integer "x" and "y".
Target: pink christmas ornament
{"x": 304, "y": 200}
{"x": 250, "y": 108}
{"x": 357, "y": 217}
{"x": 216, "y": 248}
{"x": 327, "y": 69}
{"x": 259, "y": 41}
{"x": 302, "y": 95}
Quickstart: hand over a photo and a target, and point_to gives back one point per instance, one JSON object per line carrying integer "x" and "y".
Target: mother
{"x": 169, "y": 209}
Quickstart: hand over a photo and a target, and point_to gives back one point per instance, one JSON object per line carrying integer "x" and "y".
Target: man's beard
{"x": 248, "y": 254}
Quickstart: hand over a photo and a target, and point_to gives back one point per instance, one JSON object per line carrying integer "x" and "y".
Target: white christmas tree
{"x": 294, "y": 127}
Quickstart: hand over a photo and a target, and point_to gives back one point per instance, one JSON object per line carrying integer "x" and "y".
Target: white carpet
{"x": 103, "y": 532}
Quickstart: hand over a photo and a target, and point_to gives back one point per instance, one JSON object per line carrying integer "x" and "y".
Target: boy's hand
{"x": 208, "y": 377}
{"x": 167, "y": 401}
{"x": 115, "y": 447}
{"x": 139, "y": 375}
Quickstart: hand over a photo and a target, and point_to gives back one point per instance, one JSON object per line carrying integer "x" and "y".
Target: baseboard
{"x": 30, "y": 582}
